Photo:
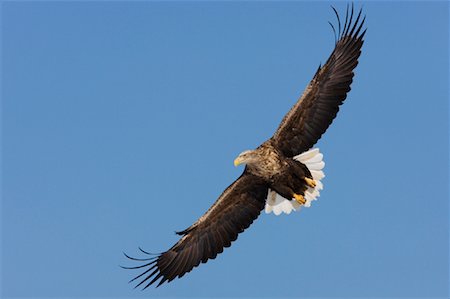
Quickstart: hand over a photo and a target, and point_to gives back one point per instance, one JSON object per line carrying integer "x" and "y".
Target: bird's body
{"x": 269, "y": 161}
{"x": 281, "y": 175}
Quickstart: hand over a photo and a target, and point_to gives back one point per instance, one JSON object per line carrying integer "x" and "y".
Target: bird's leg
{"x": 310, "y": 182}
{"x": 299, "y": 198}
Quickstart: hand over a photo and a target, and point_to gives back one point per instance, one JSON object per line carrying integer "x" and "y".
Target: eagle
{"x": 281, "y": 175}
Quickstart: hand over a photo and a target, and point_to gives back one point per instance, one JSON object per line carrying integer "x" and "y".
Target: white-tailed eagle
{"x": 281, "y": 175}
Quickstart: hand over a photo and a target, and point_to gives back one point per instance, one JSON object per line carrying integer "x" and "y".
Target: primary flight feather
{"x": 281, "y": 175}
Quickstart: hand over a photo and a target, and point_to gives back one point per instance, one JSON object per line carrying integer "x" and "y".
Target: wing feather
{"x": 233, "y": 212}
{"x": 313, "y": 113}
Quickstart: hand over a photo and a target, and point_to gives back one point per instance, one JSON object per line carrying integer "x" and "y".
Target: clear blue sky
{"x": 121, "y": 121}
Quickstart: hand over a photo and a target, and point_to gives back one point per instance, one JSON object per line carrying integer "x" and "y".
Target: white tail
{"x": 313, "y": 160}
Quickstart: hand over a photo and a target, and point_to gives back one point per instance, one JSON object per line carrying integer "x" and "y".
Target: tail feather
{"x": 277, "y": 204}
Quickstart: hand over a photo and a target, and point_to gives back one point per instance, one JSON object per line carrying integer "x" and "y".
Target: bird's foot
{"x": 300, "y": 199}
{"x": 310, "y": 182}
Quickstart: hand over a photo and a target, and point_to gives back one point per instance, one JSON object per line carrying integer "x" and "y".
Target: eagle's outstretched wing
{"x": 237, "y": 207}
{"x": 305, "y": 123}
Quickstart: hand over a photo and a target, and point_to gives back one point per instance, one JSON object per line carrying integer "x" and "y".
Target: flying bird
{"x": 282, "y": 175}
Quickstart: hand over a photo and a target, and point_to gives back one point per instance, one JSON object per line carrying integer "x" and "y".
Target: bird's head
{"x": 246, "y": 157}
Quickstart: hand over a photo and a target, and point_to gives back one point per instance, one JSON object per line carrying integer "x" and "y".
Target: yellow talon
{"x": 310, "y": 182}
{"x": 300, "y": 199}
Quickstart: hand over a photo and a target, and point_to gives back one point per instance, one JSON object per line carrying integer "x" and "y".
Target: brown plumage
{"x": 313, "y": 113}
{"x": 269, "y": 166}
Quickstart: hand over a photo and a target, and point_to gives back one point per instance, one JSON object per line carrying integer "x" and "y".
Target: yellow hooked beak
{"x": 237, "y": 161}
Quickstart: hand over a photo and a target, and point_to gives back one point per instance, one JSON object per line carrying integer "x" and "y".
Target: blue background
{"x": 121, "y": 122}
